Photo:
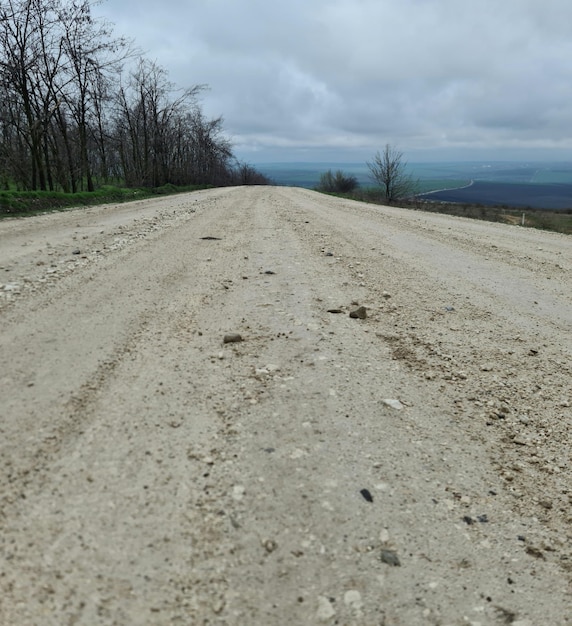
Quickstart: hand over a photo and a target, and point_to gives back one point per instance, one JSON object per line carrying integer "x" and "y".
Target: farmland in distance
{"x": 516, "y": 184}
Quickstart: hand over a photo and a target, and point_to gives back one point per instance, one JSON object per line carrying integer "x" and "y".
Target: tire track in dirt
{"x": 213, "y": 483}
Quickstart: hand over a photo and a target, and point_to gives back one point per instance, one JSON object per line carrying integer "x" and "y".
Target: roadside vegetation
{"x": 337, "y": 183}
{"x": 82, "y": 110}
{"x": 557, "y": 221}
{"x": 27, "y": 203}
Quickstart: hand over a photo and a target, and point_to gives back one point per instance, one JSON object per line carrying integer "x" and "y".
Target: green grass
{"x": 556, "y": 221}
{"x": 27, "y": 203}
{"x": 548, "y": 220}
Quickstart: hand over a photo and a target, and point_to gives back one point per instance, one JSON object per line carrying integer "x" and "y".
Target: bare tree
{"x": 212, "y": 152}
{"x": 152, "y": 128}
{"x": 245, "y": 174}
{"x": 389, "y": 171}
{"x": 27, "y": 32}
{"x": 337, "y": 183}
{"x": 92, "y": 56}
{"x": 54, "y": 60}
{"x": 66, "y": 124}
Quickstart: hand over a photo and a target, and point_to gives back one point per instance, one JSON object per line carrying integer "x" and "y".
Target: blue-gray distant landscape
{"x": 537, "y": 185}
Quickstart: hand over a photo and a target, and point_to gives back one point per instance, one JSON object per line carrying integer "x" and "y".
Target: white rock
{"x": 352, "y": 599}
{"x": 325, "y": 610}
{"x": 394, "y": 404}
{"x": 238, "y": 492}
{"x": 297, "y": 453}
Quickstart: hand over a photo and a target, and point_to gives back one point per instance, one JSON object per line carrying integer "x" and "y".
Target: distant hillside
{"x": 308, "y": 174}
{"x": 537, "y": 185}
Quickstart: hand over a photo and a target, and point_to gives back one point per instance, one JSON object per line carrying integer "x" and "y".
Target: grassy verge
{"x": 544, "y": 219}
{"x": 27, "y": 203}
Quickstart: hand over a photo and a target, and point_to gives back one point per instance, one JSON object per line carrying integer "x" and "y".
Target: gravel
{"x": 150, "y": 476}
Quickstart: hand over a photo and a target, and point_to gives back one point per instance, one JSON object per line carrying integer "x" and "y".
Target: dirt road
{"x": 412, "y": 467}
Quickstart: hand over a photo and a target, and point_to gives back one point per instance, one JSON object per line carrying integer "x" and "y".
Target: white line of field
{"x": 426, "y": 193}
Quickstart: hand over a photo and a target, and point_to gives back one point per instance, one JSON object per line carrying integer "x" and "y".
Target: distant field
{"x": 552, "y": 176}
{"x": 537, "y": 185}
{"x": 539, "y": 196}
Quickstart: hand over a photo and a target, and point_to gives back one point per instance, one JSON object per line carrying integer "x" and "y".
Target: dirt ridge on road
{"x": 411, "y": 467}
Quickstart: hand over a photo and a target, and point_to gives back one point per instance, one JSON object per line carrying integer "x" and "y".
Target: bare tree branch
{"x": 389, "y": 171}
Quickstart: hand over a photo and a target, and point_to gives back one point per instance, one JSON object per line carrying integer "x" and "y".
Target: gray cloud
{"x": 343, "y": 77}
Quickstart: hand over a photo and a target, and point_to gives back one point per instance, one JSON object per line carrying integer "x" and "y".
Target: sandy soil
{"x": 412, "y": 467}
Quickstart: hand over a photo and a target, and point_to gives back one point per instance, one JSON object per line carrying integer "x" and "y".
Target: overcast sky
{"x": 337, "y": 79}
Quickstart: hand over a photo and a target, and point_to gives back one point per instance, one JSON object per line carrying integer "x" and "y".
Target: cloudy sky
{"x": 307, "y": 80}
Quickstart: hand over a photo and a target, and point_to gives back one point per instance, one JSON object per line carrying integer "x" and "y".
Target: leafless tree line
{"x": 72, "y": 117}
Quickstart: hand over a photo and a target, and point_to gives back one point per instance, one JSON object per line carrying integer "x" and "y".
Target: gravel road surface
{"x": 266, "y": 406}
